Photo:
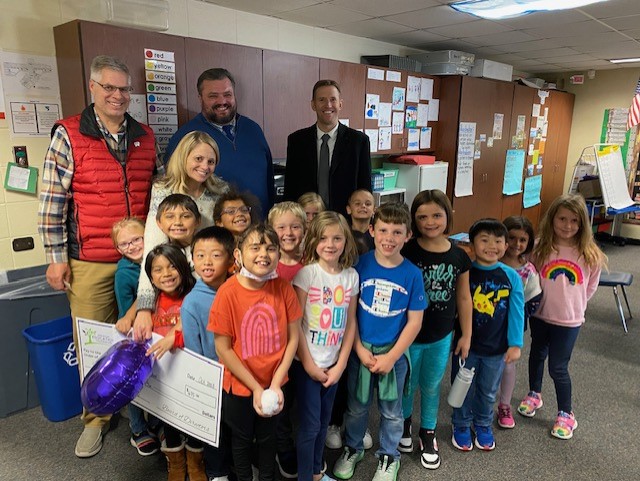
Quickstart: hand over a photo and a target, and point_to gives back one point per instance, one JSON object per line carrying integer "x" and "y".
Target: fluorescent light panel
{"x": 625, "y": 60}
{"x": 496, "y": 9}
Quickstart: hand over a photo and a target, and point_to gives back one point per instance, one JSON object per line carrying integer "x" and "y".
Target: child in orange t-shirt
{"x": 255, "y": 321}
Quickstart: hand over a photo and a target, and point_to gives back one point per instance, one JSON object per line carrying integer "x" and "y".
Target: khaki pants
{"x": 92, "y": 297}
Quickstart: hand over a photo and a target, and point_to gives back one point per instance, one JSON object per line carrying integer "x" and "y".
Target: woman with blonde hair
{"x": 190, "y": 171}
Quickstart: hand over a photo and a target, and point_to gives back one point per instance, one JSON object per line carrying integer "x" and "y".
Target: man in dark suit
{"x": 328, "y": 157}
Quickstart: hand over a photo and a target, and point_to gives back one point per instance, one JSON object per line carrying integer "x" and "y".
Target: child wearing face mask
{"x": 254, "y": 318}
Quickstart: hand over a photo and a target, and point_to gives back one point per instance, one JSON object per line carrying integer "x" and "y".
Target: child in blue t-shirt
{"x": 496, "y": 333}
{"x": 389, "y": 316}
{"x": 128, "y": 237}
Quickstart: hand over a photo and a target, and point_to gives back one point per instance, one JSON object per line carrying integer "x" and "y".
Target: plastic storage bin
{"x": 55, "y": 366}
{"x": 390, "y": 177}
{"x": 25, "y": 300}
{"x": 377, "y": 182}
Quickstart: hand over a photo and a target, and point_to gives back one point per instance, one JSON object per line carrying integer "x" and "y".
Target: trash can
{"x": 25, "y": 300}
{"x": 55, "y": 366}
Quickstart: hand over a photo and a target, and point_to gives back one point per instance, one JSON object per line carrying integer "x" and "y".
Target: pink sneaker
{"x": 530, "y": 404}
{"x": 505, "y": 419}
{"x": 565, "y": 425}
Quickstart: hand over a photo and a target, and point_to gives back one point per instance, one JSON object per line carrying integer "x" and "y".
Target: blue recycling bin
{"x": 55, "y": 365}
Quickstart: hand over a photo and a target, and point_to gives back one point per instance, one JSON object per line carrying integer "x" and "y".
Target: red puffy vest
{"x": 104, "y": 191}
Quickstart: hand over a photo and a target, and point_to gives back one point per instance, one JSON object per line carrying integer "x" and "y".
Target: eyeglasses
{"x": 135, "y": 242}
{"x": 112, "y": 88}
{"x": 233, "y": 210}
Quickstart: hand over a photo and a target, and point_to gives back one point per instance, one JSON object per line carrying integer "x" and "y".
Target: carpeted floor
{"x": 606, "y": 379}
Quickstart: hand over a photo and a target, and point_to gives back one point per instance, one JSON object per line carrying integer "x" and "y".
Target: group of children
{"x": 313, "y": 300}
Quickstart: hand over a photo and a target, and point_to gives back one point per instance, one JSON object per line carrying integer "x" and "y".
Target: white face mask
{"x": 250, "y": 275}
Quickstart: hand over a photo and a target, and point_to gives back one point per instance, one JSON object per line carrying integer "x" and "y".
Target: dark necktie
{"x": 323, "y": 170}
{"x": 228, "y": 131}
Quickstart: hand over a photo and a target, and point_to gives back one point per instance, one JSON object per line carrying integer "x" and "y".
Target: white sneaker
{"x": 367, "y": 440}
{"x": 334, "y": 437}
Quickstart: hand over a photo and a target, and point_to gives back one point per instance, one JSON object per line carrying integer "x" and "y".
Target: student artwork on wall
{"x": 397, "y": 126}
{"x": 413, "y": 89}
{"x": 513, "y": 170}
{"x": 398, "y": 98}
{"x": 371, "y": 106}
{"x": 384, "y": 138}
{"x": 532, "y": 189}
{"x": 411, "y": 116}
{"x": 384, "y": 114}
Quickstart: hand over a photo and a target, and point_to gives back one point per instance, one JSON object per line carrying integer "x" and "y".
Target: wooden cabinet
{"x": 478, "y": 100}
{"x": 384, "y": 89}
{"x": 560, "y": 105}
{"x": 288, "y": 81}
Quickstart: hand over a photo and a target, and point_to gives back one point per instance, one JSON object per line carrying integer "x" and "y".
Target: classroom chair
{"x": 621, "y": 279}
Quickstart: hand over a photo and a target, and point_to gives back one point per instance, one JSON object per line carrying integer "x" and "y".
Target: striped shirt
{"x": 56, "y": 186}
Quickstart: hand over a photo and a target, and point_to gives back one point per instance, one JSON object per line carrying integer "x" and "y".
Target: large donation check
{"x": 184, "y": 389}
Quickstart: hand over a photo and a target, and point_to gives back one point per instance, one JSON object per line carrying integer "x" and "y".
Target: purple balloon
{"x": 116, "y": 378}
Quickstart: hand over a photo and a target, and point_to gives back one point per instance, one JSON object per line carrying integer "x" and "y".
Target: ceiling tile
{"x": 322, "y": 15}
{"x": 627, "y": 22}
{"x": 414, "y": 38}
{"x": 585, "y": 64}
{"x": 431, "y": 17}
{"x": 470, "y": 29}
{"x": 509, "y": 58}
{"x": 265, "y": 7}
{"x": 453, "y": 44}
{"x": 586, "y": 40}
{"x": 568, "y": 30}
{"x": 544, "y": 19}
{"x": 380, "y": 8}
{"x": 372, "y": 28}
{"x": 635, "y": 34}
{"x": 611, "y": 50}
{"x": 613, "y": 8}
{"x": 499, "y": 40}
{"x": 575, "y": 57}
{"x": 551, "y": 53}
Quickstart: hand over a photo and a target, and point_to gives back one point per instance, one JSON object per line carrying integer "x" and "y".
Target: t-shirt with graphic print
{"x": 440, "y": 272}
{"x": 325, "y": 311}
{"x": 386, "y": 294}
{"x": 256, "y": 321}
{"x": 166, "y": 314}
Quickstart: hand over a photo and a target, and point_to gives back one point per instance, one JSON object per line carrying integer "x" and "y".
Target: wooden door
{"x": 244, "y": 64}
{"x": 288, "y": 80}
{"x": 351, "y": 78}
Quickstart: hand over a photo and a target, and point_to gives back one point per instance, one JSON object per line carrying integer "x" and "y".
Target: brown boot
{"x": 176, "y": 463}
{"x": 195, "y": 464}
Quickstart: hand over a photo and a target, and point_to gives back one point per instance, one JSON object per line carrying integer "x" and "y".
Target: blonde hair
{"x": 282, "y": 208}
{"x": 309, "y": 198}
{"x": 122, "y": 224}
{"x": 176, "y": 177}
{"x": 317, "y": 227}
{"x": 585, "y": 244}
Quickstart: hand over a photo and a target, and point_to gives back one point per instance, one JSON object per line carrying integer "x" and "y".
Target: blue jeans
{"x": 478, "y": 405}
{"x": 556, "y": 342}
{"x": 314, "y": 414}
{"x": 391, "y": 420}
{"x": 428, "y": 364}
{"x": 137, "y": 422}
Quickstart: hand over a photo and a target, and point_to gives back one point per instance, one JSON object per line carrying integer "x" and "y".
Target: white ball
{"x": 269, "y": 402}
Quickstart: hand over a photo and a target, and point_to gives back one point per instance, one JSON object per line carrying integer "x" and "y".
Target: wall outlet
{"x": 23, "y": 244}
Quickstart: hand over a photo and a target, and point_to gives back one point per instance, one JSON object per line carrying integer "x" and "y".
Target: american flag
{"x": 634, "y": 110}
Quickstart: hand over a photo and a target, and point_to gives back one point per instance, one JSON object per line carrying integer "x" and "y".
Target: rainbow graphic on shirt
{"x": 563, "y": 267}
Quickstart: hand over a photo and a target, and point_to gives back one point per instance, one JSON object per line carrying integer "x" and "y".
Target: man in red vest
{"x": 97, "y": 170}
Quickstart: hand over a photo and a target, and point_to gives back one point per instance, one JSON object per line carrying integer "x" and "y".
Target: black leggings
{"x": 245, "y": 426}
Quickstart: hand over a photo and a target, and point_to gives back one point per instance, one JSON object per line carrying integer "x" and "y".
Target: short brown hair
{"x": 324, "y": 83}
{"x": 432, "y": 196}
{"x": 393, "y": 213}
{"x": 215, "y": 74}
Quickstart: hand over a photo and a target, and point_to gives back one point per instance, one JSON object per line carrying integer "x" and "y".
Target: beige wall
{"x": 609, "y": 89}
{"x": 27, "y": 27}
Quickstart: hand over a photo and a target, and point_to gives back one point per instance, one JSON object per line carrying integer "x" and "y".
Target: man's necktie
{"x": 323, "y": 170}
{"x": 228, "y": 131}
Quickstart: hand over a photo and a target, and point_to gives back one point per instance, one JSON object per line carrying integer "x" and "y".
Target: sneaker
{"x": 484, "y": 438}
{"x": 287, "y": 464}
{"x": 219, "y": 478}
{"x": 145, "y": 443}
{"x": 90, "y": 441}
{"x": 461, "y": 438}
{"x": 565, "y": 425}
{"x": 346, "y": 463}
{"x": 334, "y": 437}
{"x": 429, "y": 455}
{"x": 367, "y": 440}
{"x": 505, "y": 418}
{"x": 324, "y": 466}
{"x": 326, "y": 478}
{"x": 406, "y": 443}
{"x": 530, "y": 404}
{"x": 387, "y": 469}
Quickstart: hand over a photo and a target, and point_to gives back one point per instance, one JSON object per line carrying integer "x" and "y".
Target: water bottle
{"x": 460, "y": 385}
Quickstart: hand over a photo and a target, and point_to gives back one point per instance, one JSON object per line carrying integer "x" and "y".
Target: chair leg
{"x": 620, "y": 311}
{"x": 624, "y": 293}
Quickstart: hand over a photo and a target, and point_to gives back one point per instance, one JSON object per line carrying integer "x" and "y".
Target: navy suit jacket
{"x": 350, "y": 165}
